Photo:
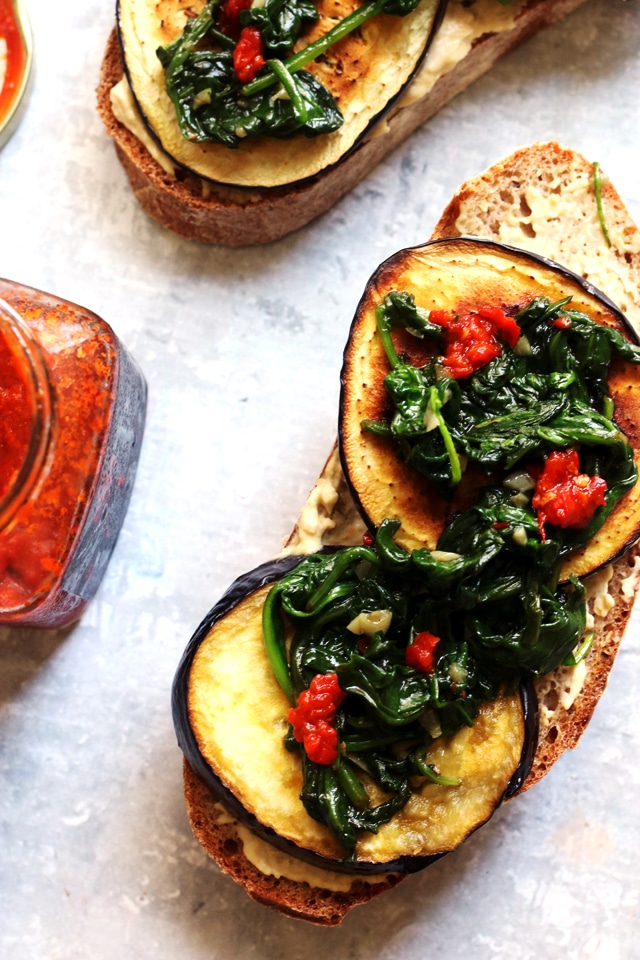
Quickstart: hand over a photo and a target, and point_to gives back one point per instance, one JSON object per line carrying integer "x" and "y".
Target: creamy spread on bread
{"x": 462, "y": 27}
{"x": 315, "y": 519}
{"x": 126, "y": 112}
{"x": 629, "y": 585}
{"x": 272, "y": 862}
{"x": 275, "y": 863}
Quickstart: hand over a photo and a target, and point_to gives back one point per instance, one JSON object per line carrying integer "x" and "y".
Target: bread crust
{"x": 217, "y": 833}
{"x": 565, "y": 711}
{"x": 241, "y": 217}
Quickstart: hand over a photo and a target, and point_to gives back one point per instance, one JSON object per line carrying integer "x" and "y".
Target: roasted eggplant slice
{"x": 365, "y": 72}
{"x": 460, "y": 276}
{"x": 230, "y": 719}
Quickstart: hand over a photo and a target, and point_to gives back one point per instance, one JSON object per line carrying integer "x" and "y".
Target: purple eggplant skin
{"x": 246, "y": 584}
{"x": 467, "y": 245}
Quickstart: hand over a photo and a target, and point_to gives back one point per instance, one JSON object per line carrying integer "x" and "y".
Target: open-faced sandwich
{"x": 446, "y": 612}
{"x": 238, "y": 121}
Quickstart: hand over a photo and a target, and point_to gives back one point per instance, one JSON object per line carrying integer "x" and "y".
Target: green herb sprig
{"x": 597, "y": 187}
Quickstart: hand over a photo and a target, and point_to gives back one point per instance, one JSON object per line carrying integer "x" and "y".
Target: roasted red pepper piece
{"x": 471, "y": 340}
{"x": 248, "y": 56}
{"x": 421, "y": 653}
{"x": 564, "y": 496}
{"x": 312, "y": 719}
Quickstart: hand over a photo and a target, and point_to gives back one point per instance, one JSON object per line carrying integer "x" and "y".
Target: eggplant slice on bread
{"x": 230, "y": 717}
{"x": 464, "y": 274}
{"x": 365, "y": 73}
{"x": 459, "y": 557}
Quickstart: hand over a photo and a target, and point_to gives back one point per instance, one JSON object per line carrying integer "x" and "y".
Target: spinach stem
{"x": 314, "y": 50}
{"x": 429, "y": 771}
{"x": 351, "y": 784}
{"x": 284, "y": 76}
{"x": 384, "y": 330}
{"x": 597, "y": 186}
{"x": 452, "y": 453}
{"x": 226, "y": 42}
{"x": 574, "y": 658}
{"x": 274, "y": 642}
{"x": 379, "y": 427}
{"x": 608, "y": 408}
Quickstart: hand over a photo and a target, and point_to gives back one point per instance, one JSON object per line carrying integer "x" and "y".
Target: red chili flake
{"x": 321, "y": 743}
{"x": 471, "y": 340}
{"x": 248, "y": 56}
{"x": 229, "y": 20}
{"x": 501, "y": 525}
{"x": 564, "y": 496}
{"x": 313, "y": 717}
{"x": 563, "y": 323}
{"x": 367, "y": 539}
{"x": 421, "y": 653}
{"x": 363, "y": 644}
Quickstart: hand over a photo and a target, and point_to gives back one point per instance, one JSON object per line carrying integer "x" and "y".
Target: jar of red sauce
{"x": 72, "y": 410}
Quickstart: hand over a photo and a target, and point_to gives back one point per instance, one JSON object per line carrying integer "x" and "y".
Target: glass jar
{"x": 72, "y": 410}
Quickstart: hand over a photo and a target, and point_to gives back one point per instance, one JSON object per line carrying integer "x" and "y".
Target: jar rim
{"x": 29, "y": 355}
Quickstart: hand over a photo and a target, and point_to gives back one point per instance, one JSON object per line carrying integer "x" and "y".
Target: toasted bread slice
{"x": 469, "y": 42}
{"x": 546, "y": 193}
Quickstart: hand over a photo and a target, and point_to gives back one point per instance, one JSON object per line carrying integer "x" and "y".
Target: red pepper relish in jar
{"x": 72, "y": 410}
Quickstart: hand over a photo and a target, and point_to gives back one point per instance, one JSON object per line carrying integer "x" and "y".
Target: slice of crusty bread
{"x": 213, "y": 213}
{"x": 546, "y": 194}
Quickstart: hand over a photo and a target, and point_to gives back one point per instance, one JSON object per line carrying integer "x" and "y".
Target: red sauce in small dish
{"x": 13, "y": 59}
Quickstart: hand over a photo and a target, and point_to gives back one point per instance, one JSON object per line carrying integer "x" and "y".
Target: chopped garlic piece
{"x": 630, "y": 583}
{"x": 519, "y": 480}
{"x": 522, "y": 347}
{"x": 429, "y": 720}
{"x": 520, "y": 535}
{"x": 574, "y": 679}
{"x": 458, "y": 673}
{"x": 597, "y": 591}
{"x": 444, "y": 556}
{"x": 370, "y": 622}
